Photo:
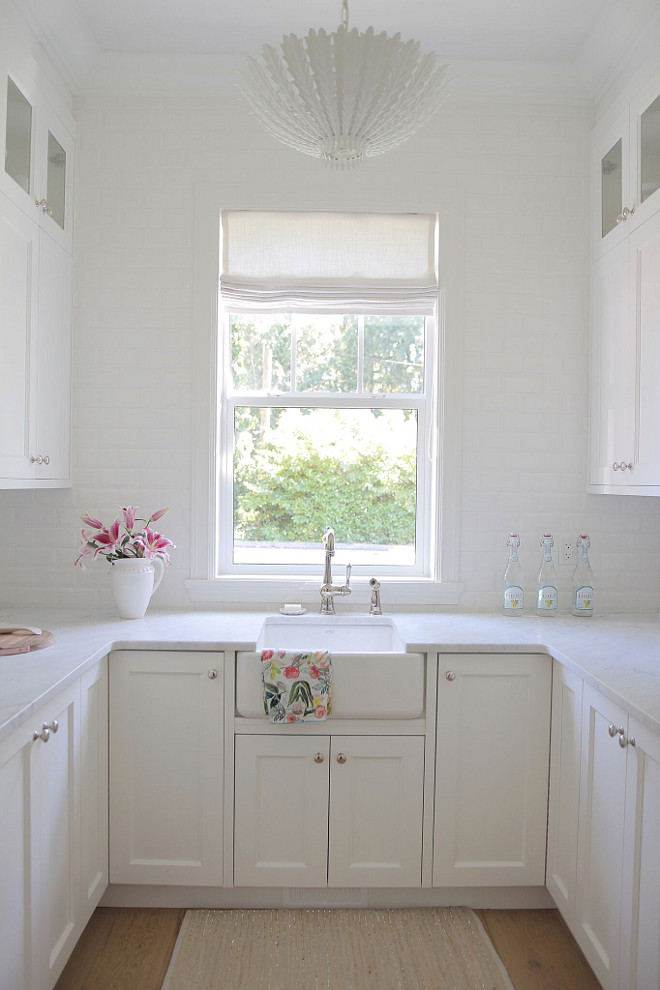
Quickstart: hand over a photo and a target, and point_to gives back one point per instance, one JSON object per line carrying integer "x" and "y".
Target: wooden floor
{"x": 130, "y": 949}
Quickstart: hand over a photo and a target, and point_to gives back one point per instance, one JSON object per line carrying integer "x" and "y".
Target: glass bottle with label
{"x": 583, "y": 580}
{"x": 513, "y": 579}
{"x": 546, "y": 603}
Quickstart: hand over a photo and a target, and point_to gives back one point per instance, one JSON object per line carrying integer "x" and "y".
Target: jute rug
{"x": 328, "y": 949}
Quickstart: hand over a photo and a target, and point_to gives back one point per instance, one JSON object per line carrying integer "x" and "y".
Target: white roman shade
{"x": 328, "y": 262}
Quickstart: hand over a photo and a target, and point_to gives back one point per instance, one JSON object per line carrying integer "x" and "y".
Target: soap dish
{"x": 291, "y": 611}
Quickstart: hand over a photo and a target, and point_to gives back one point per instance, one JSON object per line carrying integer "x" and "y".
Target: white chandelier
{"x": 346, "y": 96}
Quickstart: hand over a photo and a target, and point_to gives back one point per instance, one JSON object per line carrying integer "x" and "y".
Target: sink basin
{"x": 337, "y": 633}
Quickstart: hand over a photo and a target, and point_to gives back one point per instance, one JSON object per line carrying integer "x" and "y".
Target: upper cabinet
{"x": 36, "y": 277}
{"x": 626, "y": 170}
{"x": 625, "y": 302}
{"x": 38, "y": 167}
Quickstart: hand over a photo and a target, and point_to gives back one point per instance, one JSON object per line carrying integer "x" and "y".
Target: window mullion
{"x": 360, "y": 355}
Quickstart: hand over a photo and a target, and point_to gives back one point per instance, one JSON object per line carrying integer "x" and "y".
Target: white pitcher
{"x": 134, "y": 580}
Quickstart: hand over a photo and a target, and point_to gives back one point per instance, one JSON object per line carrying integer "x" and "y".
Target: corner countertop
{"x": 618, "y": 653}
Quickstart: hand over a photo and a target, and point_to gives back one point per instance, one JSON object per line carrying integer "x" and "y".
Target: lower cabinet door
{"x": 93, "y": 787}
{"x": 600, "y": 836}
{"x": 493, "y": 739}
{"x": 55, "y": 839}
{"x": 564, "y": 789}
{"x": 15, "y": 958}
{"x": 640, "y": 929}
{"x": 281, "y": 811}
{"x": 166, "y": 763}
{"x": 376, "y": 808}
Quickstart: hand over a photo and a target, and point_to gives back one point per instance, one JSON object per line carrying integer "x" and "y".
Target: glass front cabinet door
{"x": 38, "y": 166}
{"x": 626, "y": 170}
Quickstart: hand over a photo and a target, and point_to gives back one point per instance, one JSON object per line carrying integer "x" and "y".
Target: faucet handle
{"x": 349, "y": 568}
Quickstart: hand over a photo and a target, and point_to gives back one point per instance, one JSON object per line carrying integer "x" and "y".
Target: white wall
{"x": 513, "y": 176}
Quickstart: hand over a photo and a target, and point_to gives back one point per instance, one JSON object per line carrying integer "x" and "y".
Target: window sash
{"x": 425, "y": 405}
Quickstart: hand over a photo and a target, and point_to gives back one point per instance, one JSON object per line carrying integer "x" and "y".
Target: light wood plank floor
{"x": 130, "y": 949}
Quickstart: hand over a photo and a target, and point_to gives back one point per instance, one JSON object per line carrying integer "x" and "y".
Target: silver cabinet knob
{"x": 625, "y": 213}
{"x": 623, "y": 742}
{"x": 450, "y": 675}
{"x": 43, "y": 734}
{"x": 615, "y": 730}
{"x": 46, "y": 459}
{"x": 51, "y": 726}
{"x": 341, "y": 758}
{"x": 318, "y": 758}
{"x": 622, "y": 466}
{"x": 45, "y": 208}
{"x": 212, "y": 674}
{"x": 40, "y": 459}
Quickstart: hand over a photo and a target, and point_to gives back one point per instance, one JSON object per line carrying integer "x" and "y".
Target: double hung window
{"x": 327, "y": 392}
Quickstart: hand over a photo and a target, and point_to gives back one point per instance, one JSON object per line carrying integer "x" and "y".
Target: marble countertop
{"x": 617, "y": 653}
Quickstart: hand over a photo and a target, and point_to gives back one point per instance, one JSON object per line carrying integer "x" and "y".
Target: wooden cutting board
{"x": 22, "y": 640}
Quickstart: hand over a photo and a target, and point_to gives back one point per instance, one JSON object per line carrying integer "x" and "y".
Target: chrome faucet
{"x": 328, "y": 589}
{"x": 374, "y": 607}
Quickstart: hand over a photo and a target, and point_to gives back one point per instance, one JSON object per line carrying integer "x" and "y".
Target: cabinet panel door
{"x": 15, "y": 860}
{"x": 55, "y": 869}
{"x": 564, "y": 804}
{"x": 281, "y": 811}
{"x": 19, "y": 261}
{"x": 644, "y": 246}
{"x": 54, "y": 360}
{"x": 166, "y": 776}
{"x": 94, "y": 786}
{"x": 640, "y": 961}
{"x": 613, "y": 384}
{"x": 493, "y": 739}
{"x": 600, "y": 836}
{"x": 376, "y": 808}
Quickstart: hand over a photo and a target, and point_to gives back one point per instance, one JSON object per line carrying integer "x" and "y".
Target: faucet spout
{"x": 328, "y": 589}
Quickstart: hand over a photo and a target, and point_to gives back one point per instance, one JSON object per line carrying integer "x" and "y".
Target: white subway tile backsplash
{"x": 518, "y": 174}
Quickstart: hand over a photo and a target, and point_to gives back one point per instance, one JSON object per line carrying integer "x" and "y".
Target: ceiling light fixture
{"x": 346, "y": 96}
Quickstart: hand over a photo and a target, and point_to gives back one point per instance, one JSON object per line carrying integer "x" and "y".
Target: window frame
{"x": 425, "y": 404}
{"x": 248, "y": 592}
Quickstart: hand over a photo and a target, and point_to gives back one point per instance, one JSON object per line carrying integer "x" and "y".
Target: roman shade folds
{"x": 328, "y": 262}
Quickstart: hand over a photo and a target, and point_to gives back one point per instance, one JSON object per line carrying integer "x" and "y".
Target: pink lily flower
{"x": 129, "y": 515}
{"x": 84, "y": 553}
{"x": 154, "y": 544}
{"x": 107, "y": 538}
{"x": 92, "y": 521}
{"x": 158, "y": 514}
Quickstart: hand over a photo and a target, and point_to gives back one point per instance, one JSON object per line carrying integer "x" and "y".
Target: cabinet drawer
{"x": 374, "y": 686}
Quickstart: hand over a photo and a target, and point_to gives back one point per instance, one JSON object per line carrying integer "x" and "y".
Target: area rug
{"x": 335, "y": 949}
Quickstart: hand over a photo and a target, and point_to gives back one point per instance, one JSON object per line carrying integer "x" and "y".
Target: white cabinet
{"x": 600, "y": 835}
{"x": 166, "y": 769}
{"x": 493, "y": 737}
{"x": 625, "y": 159}
{"x": 312, "y": 810}
{"x": 51, "y": 882}
{"x": 603, "y": 864}
{"x": 564, "y": 801}
{"x": 640, "y": 914}
{"x": 35, "y": 290}
{"x": 94, "y": 785}
{"x": 625, "y": 301}
{"x": 39, "y": 151}
{"x": 625, "y": 404}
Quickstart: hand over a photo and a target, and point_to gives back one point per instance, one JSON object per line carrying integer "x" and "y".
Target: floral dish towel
{"x": 297, "y": 686}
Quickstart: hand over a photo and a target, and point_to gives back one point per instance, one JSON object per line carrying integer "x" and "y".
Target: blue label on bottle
{"x": 584, "y": 599}
{"x": 513, "y": 598}
{"x": 547, "y": 598}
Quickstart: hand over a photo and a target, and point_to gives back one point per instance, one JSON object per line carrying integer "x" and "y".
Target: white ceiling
{"x": 577, "y": 44}
{"x": 512, "y": 29}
